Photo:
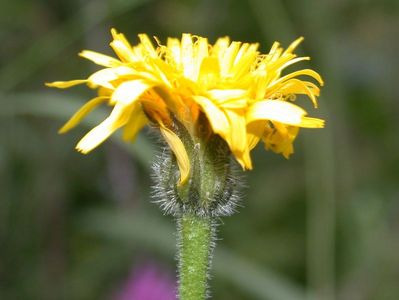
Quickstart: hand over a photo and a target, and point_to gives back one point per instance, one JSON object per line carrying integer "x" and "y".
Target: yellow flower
{"x": 240, "y": 91}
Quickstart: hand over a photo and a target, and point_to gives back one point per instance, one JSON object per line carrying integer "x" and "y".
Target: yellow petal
{"x": 293, "y": 61}
{"x": 237, "y": 138}
{"x": 255, "y": 131}
{"x": 216, "y": 117}
{"x": 100, "y": 59}
{"x": 280, "y": 139}
{"x": 118, "y": 117}
{"x": 125, "y": 53}
{"x": 296, "y": 84}
{"x": 209, "y": 71}
{"x": 122, "y": 47}
{"x": 128, "y": 91}
{"x": 187, "y": 56}
{"x": 273, "y": 49}
{"x": 244, "y": 60}
{"x": 136, "y": 122}
{"x": 102, "y": 91}
{"x": 120, "y": 37}
{"x": 175, "y": 50}
{"x": 307, "y": 72}
{"x": 281, "y": 111}
{"x": 200, "y": 52}
{"x": 222, "y": 95}
{"x": 146, "y": 43}
{"x": 293, "y": 45}
{"x": 275, "y": 110}
{"x": 229, "y": 57}
{"x": 65, "y": 84}
{"x": 105, "y": 76}
{"x": 291, "y": 87}
{"x": 221, "y": 44}
{"x": 231, "y": 98}
{"x": 244, "y": 159}
{"x": 179, "y": 151}
{"x": 81, "y": 113}
{"x": 220, "y": 47}
{"x": 312, "y": 123}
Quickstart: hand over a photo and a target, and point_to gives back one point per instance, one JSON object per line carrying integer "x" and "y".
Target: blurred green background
{"x": 322, "y": 225}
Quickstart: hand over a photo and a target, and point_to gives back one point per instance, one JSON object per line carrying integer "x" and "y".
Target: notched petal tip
{"x": 308, "y": 122}
{"x": 82, "y": 150}
{"x": 87, "y": 144}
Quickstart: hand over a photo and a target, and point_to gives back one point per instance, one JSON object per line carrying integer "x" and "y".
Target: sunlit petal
{"x": 118, "y": 117}
{"x": 146, "y": 43}
{"x": 104, "y": 77}
{"x": 129, "y": 91}
{"x": 100, "y": 59}
{"x": 237, "y": 138}
{"x": 216, "y": 117}
{"x": 281, "y": 111}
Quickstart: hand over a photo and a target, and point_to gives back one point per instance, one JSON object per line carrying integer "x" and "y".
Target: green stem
{"x": 196, "y": 241}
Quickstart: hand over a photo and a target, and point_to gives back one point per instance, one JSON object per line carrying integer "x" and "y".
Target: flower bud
{"x": 213, "y": 187}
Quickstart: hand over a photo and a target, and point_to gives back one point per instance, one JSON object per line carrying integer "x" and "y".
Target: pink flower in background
{"x": 148, "y": 282}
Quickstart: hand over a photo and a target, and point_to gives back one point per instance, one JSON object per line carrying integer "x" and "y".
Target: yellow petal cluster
{"x": 242, "y": 93}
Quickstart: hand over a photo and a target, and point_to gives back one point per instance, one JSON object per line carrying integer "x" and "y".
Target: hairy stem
{"x": 195, "y": 242}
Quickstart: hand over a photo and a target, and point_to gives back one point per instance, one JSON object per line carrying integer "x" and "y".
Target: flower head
{"x": 230, "y": 88}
